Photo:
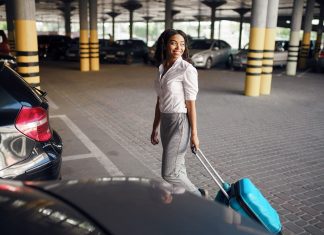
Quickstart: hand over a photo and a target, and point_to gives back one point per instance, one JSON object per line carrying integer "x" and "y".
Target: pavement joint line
{"x": 303, "y": 73}
{"x": 77, "y": 157}
{"x": 110, "y": 167}
{"x": 52, "y": 105}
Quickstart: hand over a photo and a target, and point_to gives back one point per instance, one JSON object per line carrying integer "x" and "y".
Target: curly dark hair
{"x": 161, "y": 53}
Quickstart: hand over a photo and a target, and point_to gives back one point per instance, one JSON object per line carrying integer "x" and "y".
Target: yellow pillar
{"x": 84, "y": 36}
{"x": 267, "y": 63}
{"x": 94, "y": 50}
{"x": 256, "y": 44}
{"x": 10, "y": 26}
{"x": 302, "y": 64}
{"x": 254, "y": 63}
{"x": 94, "y": 42}
{"x": 84, "y": 51}
{"x": 304, "y": 50}
{"x": 26, "y": 46}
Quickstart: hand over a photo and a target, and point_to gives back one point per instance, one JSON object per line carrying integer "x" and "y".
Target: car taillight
{"x": 321, "y": 54}
{"x": 33, "y": 122}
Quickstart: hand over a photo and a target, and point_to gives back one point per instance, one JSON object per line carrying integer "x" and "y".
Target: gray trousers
{"x": 175, "y": 135}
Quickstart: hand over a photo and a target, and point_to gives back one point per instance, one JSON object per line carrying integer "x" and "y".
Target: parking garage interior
{"x": 262, "y": 122}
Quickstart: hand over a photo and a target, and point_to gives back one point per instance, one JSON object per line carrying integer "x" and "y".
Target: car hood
{"x": 130, "y": 205}
{"x": 242, "y": 53}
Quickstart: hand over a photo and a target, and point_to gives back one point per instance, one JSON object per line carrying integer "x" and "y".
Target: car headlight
{"x": 198, "y": 58}
{"x": 120, "y": 53}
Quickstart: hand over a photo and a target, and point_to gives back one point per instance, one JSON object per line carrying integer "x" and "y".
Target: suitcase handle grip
{"x": 220, "y": 184}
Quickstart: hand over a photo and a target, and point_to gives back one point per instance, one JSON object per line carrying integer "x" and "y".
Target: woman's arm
{"x": 156, "y": 123}
{"x": 192, "y": 116}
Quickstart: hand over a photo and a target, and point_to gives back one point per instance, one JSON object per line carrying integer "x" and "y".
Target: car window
{"x": 281, "y": 46}
{"x": 201, "y": 44}
{"x": 223, "y": 44}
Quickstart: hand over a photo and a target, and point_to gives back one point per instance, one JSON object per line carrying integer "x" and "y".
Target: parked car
{"x": 122, "y": 205}
{"x": 53, "y": 46}
{"x": 9, "y": 60}
{"x": 4, "y": 43}
{"x": 73, "y": 51}
{"x": 151, "y": 53}
{"x": 279, "y": 59}
{"x": 29, "y": 148}
{"x": 206, "y": 53}
{"x": 128, "y": 51}
{"x": 318, "y": 64}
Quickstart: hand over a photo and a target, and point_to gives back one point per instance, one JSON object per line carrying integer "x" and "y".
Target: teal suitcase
{"x": 244, "y": 197}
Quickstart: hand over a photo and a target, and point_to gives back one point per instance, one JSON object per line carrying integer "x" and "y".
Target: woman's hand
{"x": 194, "y": 142}
{"x": 155, "y": 137}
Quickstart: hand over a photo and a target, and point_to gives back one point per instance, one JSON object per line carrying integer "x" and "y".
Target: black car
{"x": 128, "y": 51}
{"x": 9, "y": 60}
{"x": 73, "y": 51}
{"x": 53, "y": 46}
{"x": 29, "y": 148}
{"x": 122, "y": 205}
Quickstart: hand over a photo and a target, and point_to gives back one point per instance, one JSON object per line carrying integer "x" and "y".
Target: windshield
{"x": 200, "y": 44}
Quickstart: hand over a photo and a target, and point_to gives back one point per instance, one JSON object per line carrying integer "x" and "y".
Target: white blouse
{"x": 178, "y": 84}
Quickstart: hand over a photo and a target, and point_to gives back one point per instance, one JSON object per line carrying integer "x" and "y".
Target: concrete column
{"x": 242, "y": 12}
{"x": 168, "y": 14}
{"x": 131, "y": 24}
{"x": 213, "y": 5}
{"x": 296, "y": 20}
{"x": 147, "y": 19}
{"x": 198, "y": 28}
{"x": 84, "y": 36}
{"x": 256, "y": 45}
{"x": 131, "y": 6}
{"x": 113, "y": 15}
{"x": 302, "y": 63}
{"x": 212, "y": 22}
{"x": 10, "y": 26}
{"x": 67, "y": 18}
{"x": 26, "y": 47}
{"x": 319, "y": 31}
{"x": 268, "y": 50}
{"x": 94, "y": 42}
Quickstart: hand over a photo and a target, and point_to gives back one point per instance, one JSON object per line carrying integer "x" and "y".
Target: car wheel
{"x": 208, "y": 64}
{"x": 129, "y": 59}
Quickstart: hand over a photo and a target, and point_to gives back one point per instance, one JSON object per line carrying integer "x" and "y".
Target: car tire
{"x": 208, "y": 64}
{"x": 129, "y": 59}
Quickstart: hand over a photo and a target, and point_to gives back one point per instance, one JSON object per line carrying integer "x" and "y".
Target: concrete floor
{"x": 105, "y": 120}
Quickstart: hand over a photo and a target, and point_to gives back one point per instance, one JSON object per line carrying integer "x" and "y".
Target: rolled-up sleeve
{"x": 190, "y": 83}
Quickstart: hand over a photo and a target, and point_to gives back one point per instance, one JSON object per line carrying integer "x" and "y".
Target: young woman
{"x": 177, "y": 87}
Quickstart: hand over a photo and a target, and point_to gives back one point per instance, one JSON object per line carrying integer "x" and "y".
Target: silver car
{"x": 205, "y": 53}
{"x": 279, "y": 58}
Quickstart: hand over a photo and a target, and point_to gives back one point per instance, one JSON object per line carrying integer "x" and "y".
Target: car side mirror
{"x": 215, "y": 48}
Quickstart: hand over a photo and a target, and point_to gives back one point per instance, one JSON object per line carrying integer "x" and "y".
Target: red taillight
{"x": 321, "y": 54}
{"x": 33, "y": 122}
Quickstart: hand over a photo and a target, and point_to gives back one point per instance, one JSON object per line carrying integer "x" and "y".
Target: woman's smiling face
{"x": 176, "y": 47}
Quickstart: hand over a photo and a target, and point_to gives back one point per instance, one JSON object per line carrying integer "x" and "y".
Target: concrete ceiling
{"x": 51, "y": 10}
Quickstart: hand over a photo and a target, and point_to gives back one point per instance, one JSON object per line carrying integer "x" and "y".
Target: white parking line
{"x": 110, "y": 167}
{"x": 77, "y": 157}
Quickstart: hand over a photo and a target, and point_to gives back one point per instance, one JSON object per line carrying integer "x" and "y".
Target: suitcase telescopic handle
{"x": 213, "y": 174}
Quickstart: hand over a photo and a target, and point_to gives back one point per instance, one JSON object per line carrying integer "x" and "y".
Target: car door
{"x": 224, "y": 49}
{"x": 215, "y": 52}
